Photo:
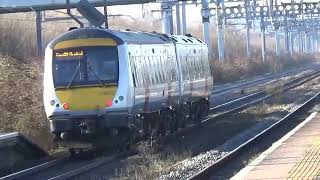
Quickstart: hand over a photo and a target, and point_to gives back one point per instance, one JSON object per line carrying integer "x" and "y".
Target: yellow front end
{"x": 87, "y": 98}
{"x": 73, "y": 95}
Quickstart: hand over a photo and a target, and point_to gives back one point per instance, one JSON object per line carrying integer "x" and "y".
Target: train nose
{"x": 86, "y": 98}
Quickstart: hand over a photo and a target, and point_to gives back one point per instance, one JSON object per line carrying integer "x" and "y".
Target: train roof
{"x": 128, "y": 37}
{"x": 187, "y": 39}
{"x": 131, "y": 37}
{"x": 121, "y": 37}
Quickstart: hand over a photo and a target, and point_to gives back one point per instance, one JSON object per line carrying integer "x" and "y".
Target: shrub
{"x": 21, "y": 106}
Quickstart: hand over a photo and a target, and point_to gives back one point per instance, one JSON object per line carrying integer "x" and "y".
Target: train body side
{"x": 194, "y": 66}
{"x": 155, "y": 75}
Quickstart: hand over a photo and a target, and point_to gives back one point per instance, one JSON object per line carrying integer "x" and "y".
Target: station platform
{"x": 17, "y": 151}
{"x": 295, "y": 156}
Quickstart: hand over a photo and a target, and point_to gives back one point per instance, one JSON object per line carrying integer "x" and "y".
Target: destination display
{"x": 69, "y": 54}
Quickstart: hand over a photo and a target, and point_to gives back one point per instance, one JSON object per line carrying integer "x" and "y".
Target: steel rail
{"x": 267, "y": 78}
{"x": 90, "y": 166}
{"x": 217, "y": 112}
{"x": 263, "y": 94}
{"x": 35, "y": 169}
{"x": 205, "y": 173}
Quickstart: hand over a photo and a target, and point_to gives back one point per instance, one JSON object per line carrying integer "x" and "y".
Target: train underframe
{"x": 88, "y": 134}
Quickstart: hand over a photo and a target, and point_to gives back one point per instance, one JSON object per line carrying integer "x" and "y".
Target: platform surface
{"x": 294, "y": 156}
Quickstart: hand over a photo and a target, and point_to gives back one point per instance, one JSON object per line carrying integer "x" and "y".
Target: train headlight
{"x": 65, "y": 106}
{"x": 121, "y": 98}
{"x": 52, "y": 102}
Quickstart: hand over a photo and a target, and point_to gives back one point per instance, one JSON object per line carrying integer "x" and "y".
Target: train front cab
{"x": 84, "y": 90}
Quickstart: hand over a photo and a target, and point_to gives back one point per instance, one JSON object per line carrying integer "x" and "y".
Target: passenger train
{"x": 107, "y": 86}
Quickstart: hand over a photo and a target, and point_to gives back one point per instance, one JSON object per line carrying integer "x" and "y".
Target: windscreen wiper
{"x": 94, "y": 73}
{"x": 73, "y": 76}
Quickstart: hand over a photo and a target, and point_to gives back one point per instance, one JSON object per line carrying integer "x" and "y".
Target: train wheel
{"x": 157, "y": 123}
{"x": 165, "y": 117}
{"x": 173, "y": 121}
{"x": 182, "y": 115}
{"x": 137, "y": 129}
{"x": 147, "y": 129}
{"x": 205, "y": 107}
{"x": 154, "y": 120}
{"x": 196, "y": 113}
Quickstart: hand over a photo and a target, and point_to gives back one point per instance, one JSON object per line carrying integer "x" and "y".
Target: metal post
{"x": 300, "y": 43}
{"x": 291, "y": 37}
{"x": 286, "y": 41}
{"x": 178, "y": 20}
{"x": 165, "y": 17}
{"x": 220, "y": 32}
{"x": 263, "y": 40}
{"x": 205, "y": 22}
{"x": 171, "y": 19}
{"x": 105, "y": 9}
{"x": 248, "y": 29}
{"x": 297, "y": 43}
{"x": 317, "y": 42}
{"x": 183, "y": 18}
{"x": 311, "y": 43}
{"x": 305, "y": 42}
{"x": 39, "y": 32}
{"x": 277, "y": 40}
{"x": 248, "y": 41}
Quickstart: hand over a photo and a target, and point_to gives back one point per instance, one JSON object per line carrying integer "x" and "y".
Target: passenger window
{"x": 161, "y": 69}
{"x": 194, "y": 68}
{"x": 186, "y": 65}
{"x": 148, "y": 66}
{"x": 140, "y": 71}
{"x": 150, "y": 70}
{"x": 134, "y": 71}
{"x": 188, "y": 59}
{"x": 202, "y": 66}
{"x": 155, "y": 69}
{"x": 163, "y": 65}
{"x": 143, "y": 70}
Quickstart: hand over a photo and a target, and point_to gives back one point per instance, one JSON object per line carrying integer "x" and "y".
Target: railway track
{"x": 39, "y": 171}
{"x": 63, "y": 168}
{"x": 225, "y": 109}
{"x": 36, "y": 169}
{"x": 261, "y": 95}
{"x": 247, "y": 84}
{"x": 245, "y": 147}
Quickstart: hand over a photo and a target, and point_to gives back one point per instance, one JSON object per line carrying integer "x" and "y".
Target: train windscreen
{"x": 85, "y": 66}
